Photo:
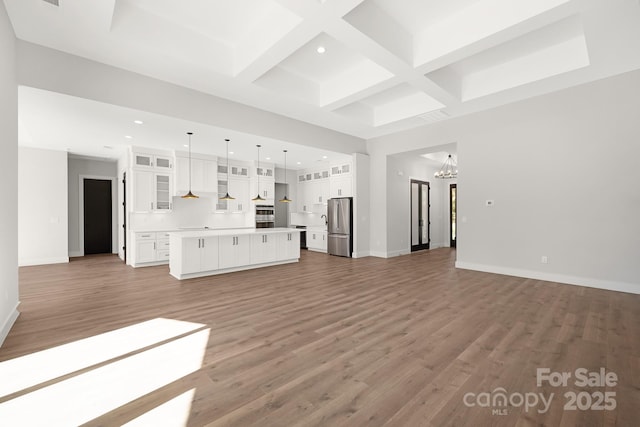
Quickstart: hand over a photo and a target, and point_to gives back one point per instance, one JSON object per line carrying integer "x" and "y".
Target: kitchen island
{"x": 208, "y": 252}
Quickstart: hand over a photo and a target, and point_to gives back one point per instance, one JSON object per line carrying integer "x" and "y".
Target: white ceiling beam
{"x": 280, "y": 51}
{"x": 368, "y": 47}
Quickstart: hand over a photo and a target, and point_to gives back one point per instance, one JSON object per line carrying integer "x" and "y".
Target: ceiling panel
{"x": 448, "y": 55}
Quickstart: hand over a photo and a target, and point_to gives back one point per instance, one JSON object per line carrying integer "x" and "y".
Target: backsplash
{"x": 189, "y": 213}
{"x": 308, "y": 219}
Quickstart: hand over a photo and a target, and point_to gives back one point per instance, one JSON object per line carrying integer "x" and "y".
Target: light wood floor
{"x": 350, "y": 342}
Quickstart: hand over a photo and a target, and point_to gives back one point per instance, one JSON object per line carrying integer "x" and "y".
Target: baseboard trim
{"x": 75, "y": 254}
{"x": 8, "y": 324}
{"x": 588, "y": 282}
{"x": 43, "y": 261}
{"x": 362, "y": 254}
{"x": 390, "y": 254}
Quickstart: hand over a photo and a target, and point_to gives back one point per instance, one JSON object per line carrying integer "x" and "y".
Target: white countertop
{"x": 232, "y": 231}
{"x": 173, "y": 230}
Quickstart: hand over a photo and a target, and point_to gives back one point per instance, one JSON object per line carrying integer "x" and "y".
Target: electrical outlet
{"x": 544, "y": 259}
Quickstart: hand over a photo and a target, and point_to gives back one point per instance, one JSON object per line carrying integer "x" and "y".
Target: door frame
{"x": 114, "y": 210}
{"x": 420, "y": 246}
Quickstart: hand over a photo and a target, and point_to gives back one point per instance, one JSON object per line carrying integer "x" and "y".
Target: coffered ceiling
{"x": 388, "y": 65}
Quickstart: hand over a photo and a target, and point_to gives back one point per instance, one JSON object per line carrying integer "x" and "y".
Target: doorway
{"x": 420, "y": 221}
{"x": 97, "y": 216}
{"x": 453, "y": 205}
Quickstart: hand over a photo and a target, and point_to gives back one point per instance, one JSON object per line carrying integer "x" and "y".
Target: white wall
{"x": 42, "y": 206}
{"x": 542, "y": 160}
{"x": 378, "y": 199}
{"x": 76, "y": 76}
{"x": 362, "y": 202}
{"x": 88, "y": 168}
{"x": 401, "y": 170}
{"x": 8, "y": 177}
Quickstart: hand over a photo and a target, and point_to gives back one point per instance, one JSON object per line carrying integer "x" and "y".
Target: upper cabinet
{"x": 152, "y": 181}
{"x": 313, "y": 189}
{"x": 238, "y": 189}
{"x": 151, "y": 191}
{"x": 203, "y": 171}
{"x": 266, "y": 171}
{"x": 236, "y": 169}
{"x": 142, "y": 160}
{"x": 341, "y": 186}
{"x": 341, "y": 169}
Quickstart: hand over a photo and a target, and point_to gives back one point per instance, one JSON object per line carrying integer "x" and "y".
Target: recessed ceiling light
{"x": 268, "y": 158}
{"x": 230, "y": 152}
{"x": 324, "y": 157}
{"x": 321, "y": 49}
{"x": 138, "y": 122}
{"x": 299, "y": 163}
{"x": 185, "y": 145}
{"x": 128, "y": 136}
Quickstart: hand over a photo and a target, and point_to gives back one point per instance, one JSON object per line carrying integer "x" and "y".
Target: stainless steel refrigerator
{"x": 340, "y": 227}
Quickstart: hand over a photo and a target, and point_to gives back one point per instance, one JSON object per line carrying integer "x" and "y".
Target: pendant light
{"x": 190, "y": 195}
{"x": 258, "y": 198}
{"x": 285, "y": 199}
{"x": 448, "y": 170}
{"x": 227, "y": 196}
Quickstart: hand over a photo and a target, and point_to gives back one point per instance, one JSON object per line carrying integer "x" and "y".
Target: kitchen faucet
{"x": 326, "y": 220}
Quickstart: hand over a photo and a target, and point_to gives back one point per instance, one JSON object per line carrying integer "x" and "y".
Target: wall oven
{"x": 265, "y": 216}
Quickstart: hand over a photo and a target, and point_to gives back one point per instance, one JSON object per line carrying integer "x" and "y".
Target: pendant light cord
{"x": 189, "y": 133}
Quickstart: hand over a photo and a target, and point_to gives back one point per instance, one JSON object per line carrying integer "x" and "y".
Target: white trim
{"x": 322, "y": 251}
{"x": 43, "y": 261}
{"x": 361, "y": 254}
{"x": 8, "y": 323}
{"x": 114, "y": 211}
{"x": 390, "y": 254}
{"x": 231, "y": 270}
{"x": 73, "y": 254}
{"x": 551, "y": 277}
{"x": 378, "y": 254}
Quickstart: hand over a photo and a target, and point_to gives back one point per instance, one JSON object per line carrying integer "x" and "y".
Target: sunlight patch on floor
{"x": 86, "y": 396}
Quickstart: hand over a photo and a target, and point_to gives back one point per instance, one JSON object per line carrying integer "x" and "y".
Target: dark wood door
{"x": 453, "y": 207}
{"x": 97, "y": 216}
{"x": 420, "y": 220}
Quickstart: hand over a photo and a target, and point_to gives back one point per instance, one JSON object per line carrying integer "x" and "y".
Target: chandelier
{"x": 448, "y": 170}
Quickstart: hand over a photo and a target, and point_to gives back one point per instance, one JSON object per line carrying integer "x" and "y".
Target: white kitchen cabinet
{"x": 143, "y": 194}
{"x": 238, "y": 189}
{"x": 199, "y": 254}
{"x": 234, "y": 251}
{"x": 151, "y": 191}
{"x": 341, "y": 169}
{"x": 317, "y": 240}
{"x": 142, "y": 160}
{"x": 266, "y": 171}
{"x": 163, "y": 192}
{"x": 239, "y": 171}
{"x": 267, "y": 190}
{"x": 318, "y": 192}
{"x": 149, "y": 248}
{"x": 145, "y": 251}
{"x": 341, "y": 186}
{"x": 288, "y": 246}
{"x": 263, "y": 248}
{"x": 204, "y": 175}
{"x": 240, "y": 249}
{"x": 312, "y": 194}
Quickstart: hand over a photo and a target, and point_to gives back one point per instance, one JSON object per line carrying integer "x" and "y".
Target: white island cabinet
{"x": 208, "y": 252}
